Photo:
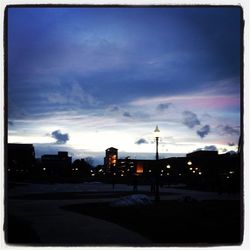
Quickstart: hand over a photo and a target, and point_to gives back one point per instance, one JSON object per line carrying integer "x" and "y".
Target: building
{"x": 20, "y": 158}
{"x": 111, "y": 158}
{"x": 56, "y": 165}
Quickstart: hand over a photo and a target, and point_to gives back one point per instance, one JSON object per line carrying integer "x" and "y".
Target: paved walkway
{"x": 54, "y": 225}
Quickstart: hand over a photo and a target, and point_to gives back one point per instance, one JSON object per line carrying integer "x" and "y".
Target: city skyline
{"x": 86, "y": 79}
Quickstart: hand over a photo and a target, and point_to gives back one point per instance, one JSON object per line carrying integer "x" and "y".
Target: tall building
{"x": 111, "y": 158}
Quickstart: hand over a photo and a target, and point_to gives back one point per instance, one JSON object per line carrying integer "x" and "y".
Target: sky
{"x": 85, "y": 79}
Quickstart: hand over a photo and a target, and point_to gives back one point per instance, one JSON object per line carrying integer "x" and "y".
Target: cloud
{"x": 163, "y": 106}
{"x": 190, "y": 119}
{"x": 211, "y": 148}
{"x": 114, "y": 109}
{"x": 141, "y": 141}
{"x": 60, "y": 138}
{"x": 229, "y": 130}
{"x": 127, "y": 114}
{"x": 231, "y": 144}
{"x": 202, "y": 132}
{"x": 10, "y": 123}
{"x": 207, "y": 148}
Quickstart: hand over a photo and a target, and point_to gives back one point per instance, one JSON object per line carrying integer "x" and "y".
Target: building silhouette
{"x": 20, "y": 159}
{"x": 56, "y": 165}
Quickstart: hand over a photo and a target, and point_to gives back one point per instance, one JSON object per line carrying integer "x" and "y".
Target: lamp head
{"x": 157, "y": 132}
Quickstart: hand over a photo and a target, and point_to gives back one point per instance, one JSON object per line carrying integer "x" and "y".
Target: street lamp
{"x": 157, "y": 135}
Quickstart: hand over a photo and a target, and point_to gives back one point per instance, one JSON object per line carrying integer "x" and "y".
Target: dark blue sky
{"x": 82, "y": 70}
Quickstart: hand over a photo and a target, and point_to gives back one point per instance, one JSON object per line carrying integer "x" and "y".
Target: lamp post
{"x": 157, "y": 135}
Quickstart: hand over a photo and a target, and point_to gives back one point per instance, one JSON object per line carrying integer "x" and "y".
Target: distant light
{"x": 168, "y": 166}
{"x": 100, "y": 170}
{"x": 161, "y": 174}
{"x": 76, "y": 169}
{"x": 162, "y": 170}
{"x": 149, "y": 170}
{"x": 128, "y": 170}
{"x": 200, "y": 173}
{"x": 190, "y": 168}
{"x": 189, "y": 163}
{"x": 91, "y": 171}
{"x": 193, "y": 171}
{"x": 44, "y": 169}
{"x": 92, "y": 174}
{"x": 231, "y": 172}
{"x": 167, "y": 173}
{"x": 228, "y": 177}
{"x": 131, "y": 166}
{"x": 8, "y": 169}
{"x": 114, "y": 174}
{"x": 179, "y": 174}
{"x": 122, "y": 175}
{"x": 196, "y": 168}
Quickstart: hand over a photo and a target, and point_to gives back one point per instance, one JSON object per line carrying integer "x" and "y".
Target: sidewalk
{"x": 54, "y": 225}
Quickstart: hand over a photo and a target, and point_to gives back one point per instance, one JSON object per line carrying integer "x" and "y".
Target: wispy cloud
{"x": 163, "y": 106}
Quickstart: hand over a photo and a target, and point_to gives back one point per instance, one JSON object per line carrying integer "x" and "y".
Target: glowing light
{"x": 231, "y": 172}
{"x": 168, "y": 166}
{"x": 76, "y": 169}
{"x": 179, "y": 174}
{"x": 189, "y": 163}
{"x": 149, "y": 170}
{"x": 44, "y": 169}
{"x": 8, "y": 169}
{"x": 228, "y": 177}
{"x": 193, "y": 171}
{"x": 200, "y": 173}
{"x": 167, "y": 173}
{"x": 122, "y": 175}
{"x": 190, "y": 168}
{"x": 196, "y": 168}
{"x": 162, "y": 171}
{"x": 92, "y": 174}
{"x": 161, "y": 174}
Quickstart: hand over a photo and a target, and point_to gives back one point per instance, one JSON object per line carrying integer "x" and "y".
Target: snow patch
{"x": 132, "y": 200}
